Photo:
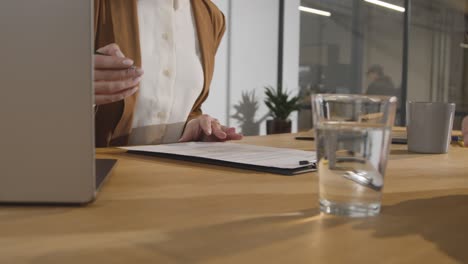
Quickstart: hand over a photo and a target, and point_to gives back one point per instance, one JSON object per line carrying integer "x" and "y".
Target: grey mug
{"x": 429, "y": 126}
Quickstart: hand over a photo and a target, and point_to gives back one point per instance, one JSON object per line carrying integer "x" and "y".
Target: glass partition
{"x": 355, "y": 47}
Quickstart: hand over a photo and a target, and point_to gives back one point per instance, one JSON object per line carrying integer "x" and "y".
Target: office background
{"x": 421, "y": 50}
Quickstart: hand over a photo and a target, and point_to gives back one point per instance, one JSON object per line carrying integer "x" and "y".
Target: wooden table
{"x": 155, "y": 210}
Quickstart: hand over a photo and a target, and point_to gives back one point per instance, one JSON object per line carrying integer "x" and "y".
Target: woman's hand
{"x": 206, "y": 128}
{"x": 465, "y": 130}
{"x": 115, "y": 77}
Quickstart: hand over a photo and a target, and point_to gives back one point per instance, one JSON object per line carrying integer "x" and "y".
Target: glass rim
{"x": 430, "y": 103}
{"x": 352, "y": 97}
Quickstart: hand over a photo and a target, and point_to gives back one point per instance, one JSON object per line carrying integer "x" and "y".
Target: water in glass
{"x": 351, "y": 162}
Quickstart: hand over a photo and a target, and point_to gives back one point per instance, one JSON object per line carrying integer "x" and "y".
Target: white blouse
{"x": 173, "y": 77}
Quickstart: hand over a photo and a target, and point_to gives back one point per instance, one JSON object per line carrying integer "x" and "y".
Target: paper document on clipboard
{"x": 260, "y": 158}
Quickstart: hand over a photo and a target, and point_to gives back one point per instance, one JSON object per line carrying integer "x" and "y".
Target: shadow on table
{"x": 404, "y": 152}
{"x": 199, "y": 244}
{"x": 442, "y": 221}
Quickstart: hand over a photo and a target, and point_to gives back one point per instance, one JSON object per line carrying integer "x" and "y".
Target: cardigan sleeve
{"x": 96, "y": 10}
{"x": 221, "y": 30}
{"x": 218, "y": 22}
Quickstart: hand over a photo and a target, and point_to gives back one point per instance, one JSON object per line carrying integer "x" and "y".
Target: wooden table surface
{"x": 155, "y": 210}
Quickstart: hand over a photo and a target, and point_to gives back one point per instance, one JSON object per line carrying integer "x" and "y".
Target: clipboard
{"x": 242, "y": 156}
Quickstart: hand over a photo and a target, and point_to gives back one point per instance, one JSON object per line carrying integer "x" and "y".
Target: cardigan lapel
{"x": 127, "y": 36}
{"x": 206, "y": 40}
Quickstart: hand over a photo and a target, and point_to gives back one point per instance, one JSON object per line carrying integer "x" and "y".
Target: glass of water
{"x": 353, "y": 137}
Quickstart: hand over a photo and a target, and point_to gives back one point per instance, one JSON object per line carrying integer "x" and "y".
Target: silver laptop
{"x": 46, "y": 113}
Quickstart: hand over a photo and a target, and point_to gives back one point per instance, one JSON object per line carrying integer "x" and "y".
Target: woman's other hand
{"x": 465, "y": 130}
{"x": 115, "y": 77}
{"x": 207, "y": 128}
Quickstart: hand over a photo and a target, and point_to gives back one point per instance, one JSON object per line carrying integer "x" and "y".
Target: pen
{"x": 399, "y": 141}
{"x": 306, "y": 162}
{"x": 458, "y": 140}
{"x": 304, "y": 138}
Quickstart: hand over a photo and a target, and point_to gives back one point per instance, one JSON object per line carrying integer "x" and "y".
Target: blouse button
{"x": 167, "y": 73}
{"x": 161, "y": 115}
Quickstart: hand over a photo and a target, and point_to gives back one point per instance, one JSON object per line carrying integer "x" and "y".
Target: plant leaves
{"x": 279, "y": 102}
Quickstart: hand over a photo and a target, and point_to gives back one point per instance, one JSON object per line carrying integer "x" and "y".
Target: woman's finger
{"x": 217, "y": 129}
{"x": 112, "y": 50}
{"x": 465, "y": 130}
{"x": 192, "y": 131}
{"x": 205, "y": 124}
{"x": 186, "y": 135}
{"x": 111, "y": 62}
{"x": 184, "y": 138}
{"x": 114, "y": 75}
{"x": 115, "y": 87}
{"x": 235, "y": 136}
{"x": 231, "y": 133}
{"x": 101, "y": 99}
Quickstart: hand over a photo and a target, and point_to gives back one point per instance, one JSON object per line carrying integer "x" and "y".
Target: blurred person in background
{"x": 379, "y": 83}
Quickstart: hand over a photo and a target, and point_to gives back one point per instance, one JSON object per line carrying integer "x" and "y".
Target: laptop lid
{"x": 47, "y": 130}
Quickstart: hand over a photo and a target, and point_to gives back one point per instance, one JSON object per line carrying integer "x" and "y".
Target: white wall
{"x": 254, "y": 49}
{"x": 291, "y": 50}
{"x": 252, "y": 37}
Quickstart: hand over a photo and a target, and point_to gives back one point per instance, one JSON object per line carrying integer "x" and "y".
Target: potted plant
{"x": 245, "y": 114}
{"x": 281, "y": 105}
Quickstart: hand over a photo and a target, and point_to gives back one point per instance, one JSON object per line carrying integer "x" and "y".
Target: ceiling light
{"x": 387, "y": 5}
{"x": 314, "y": 11}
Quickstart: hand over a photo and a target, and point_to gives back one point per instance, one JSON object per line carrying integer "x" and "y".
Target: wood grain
{"x": 155, "y": 210}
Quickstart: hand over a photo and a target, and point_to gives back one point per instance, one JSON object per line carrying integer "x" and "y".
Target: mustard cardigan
{"x": 116, "y": 21}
